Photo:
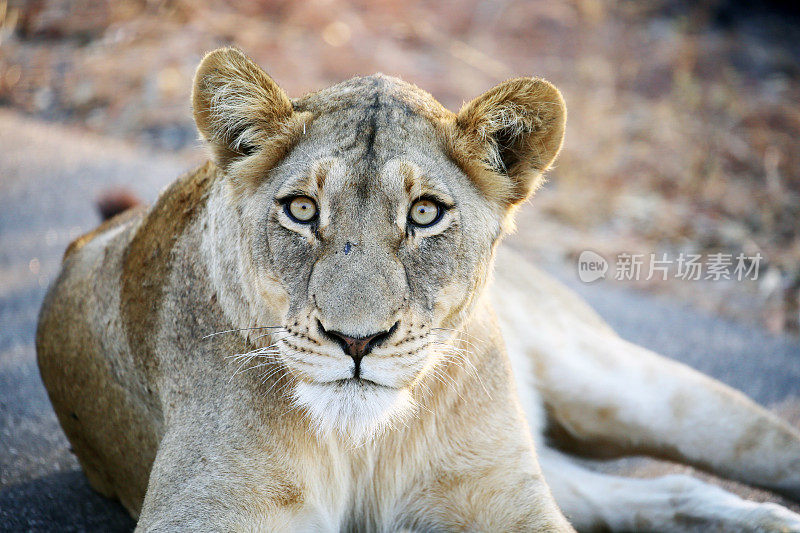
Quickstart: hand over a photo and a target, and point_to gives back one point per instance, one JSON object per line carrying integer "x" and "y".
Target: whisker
{"x": 288, "y": 334}
{"x": 426, "y": 394}
{"x": 458, "y": 358}
{"x": 266, "y": 355}
{"x": 255, "y": 353}
{"x": 295, "y": 407}
{"x": 254, "y": 350}
{"x": 452, "y": 348}
{"x": 440, "y": 378}
{"x": 245, "y": 363}
{"x": 460, "y": 332}
{"x": 269, "y": 362}
{"x": 462, "y": 356}
{"x": 271, "y": 373}
{"x": 289, "y": 383}
{"x": 240, "y": 329}
{"x": 261, "y": 358}
{"x": 282, "y": 375}
{"x": 468, "y": 343}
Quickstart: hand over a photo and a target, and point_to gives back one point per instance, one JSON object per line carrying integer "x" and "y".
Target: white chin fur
{"x": 358, "y": 412}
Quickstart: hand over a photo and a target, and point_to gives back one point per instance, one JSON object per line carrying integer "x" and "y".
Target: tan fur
{"x": 225, "y": 447}
{"x": 520, "y": 106}
{"x": 237, "y": 107}
{"x": 107, "y": 225}
{"x": 187, "y": 348}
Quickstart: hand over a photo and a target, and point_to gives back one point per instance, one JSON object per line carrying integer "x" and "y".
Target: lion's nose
{"x": 358, "y": 347}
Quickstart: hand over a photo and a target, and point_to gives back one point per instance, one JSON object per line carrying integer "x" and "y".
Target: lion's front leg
{"x": 484, "y": 489}
{"x": 197, "y": 486}
{"x": 481, "y": 501}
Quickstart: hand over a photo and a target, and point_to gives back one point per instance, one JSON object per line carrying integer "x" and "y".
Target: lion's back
{"x": 85, "y": 365}
{"x": 522, "y": 290}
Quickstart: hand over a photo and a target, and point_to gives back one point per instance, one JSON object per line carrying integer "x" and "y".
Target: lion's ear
{"x": 510, "y": 136}
{"x": 237, "y": 107}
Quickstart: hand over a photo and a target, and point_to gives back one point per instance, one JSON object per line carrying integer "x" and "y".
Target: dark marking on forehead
{"x": 369, "y": 129}
{"x": 321, "y": 173}
{"x": 365, "y": 123}
{"x": 409, "y": 178}
{"x": 370, "y": 115}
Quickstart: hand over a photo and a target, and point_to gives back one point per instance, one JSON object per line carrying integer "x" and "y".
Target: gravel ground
{"x": 49, "y": 178}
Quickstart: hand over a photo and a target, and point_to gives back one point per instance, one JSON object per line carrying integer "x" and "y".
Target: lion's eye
{"x": 301, "y": 209}
{"x": 425, "y": 213}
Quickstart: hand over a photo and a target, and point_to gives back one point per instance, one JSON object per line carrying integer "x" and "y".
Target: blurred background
{"x": 683, "y": 138}
{"x": 684, "y": 117}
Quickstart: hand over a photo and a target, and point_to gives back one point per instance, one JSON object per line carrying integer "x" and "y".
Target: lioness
{"x": 298, "y": 336}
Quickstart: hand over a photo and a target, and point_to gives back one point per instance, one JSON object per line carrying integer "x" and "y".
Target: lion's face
{"x": 369, "y": 217}
{"x": 380, "y": 241}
